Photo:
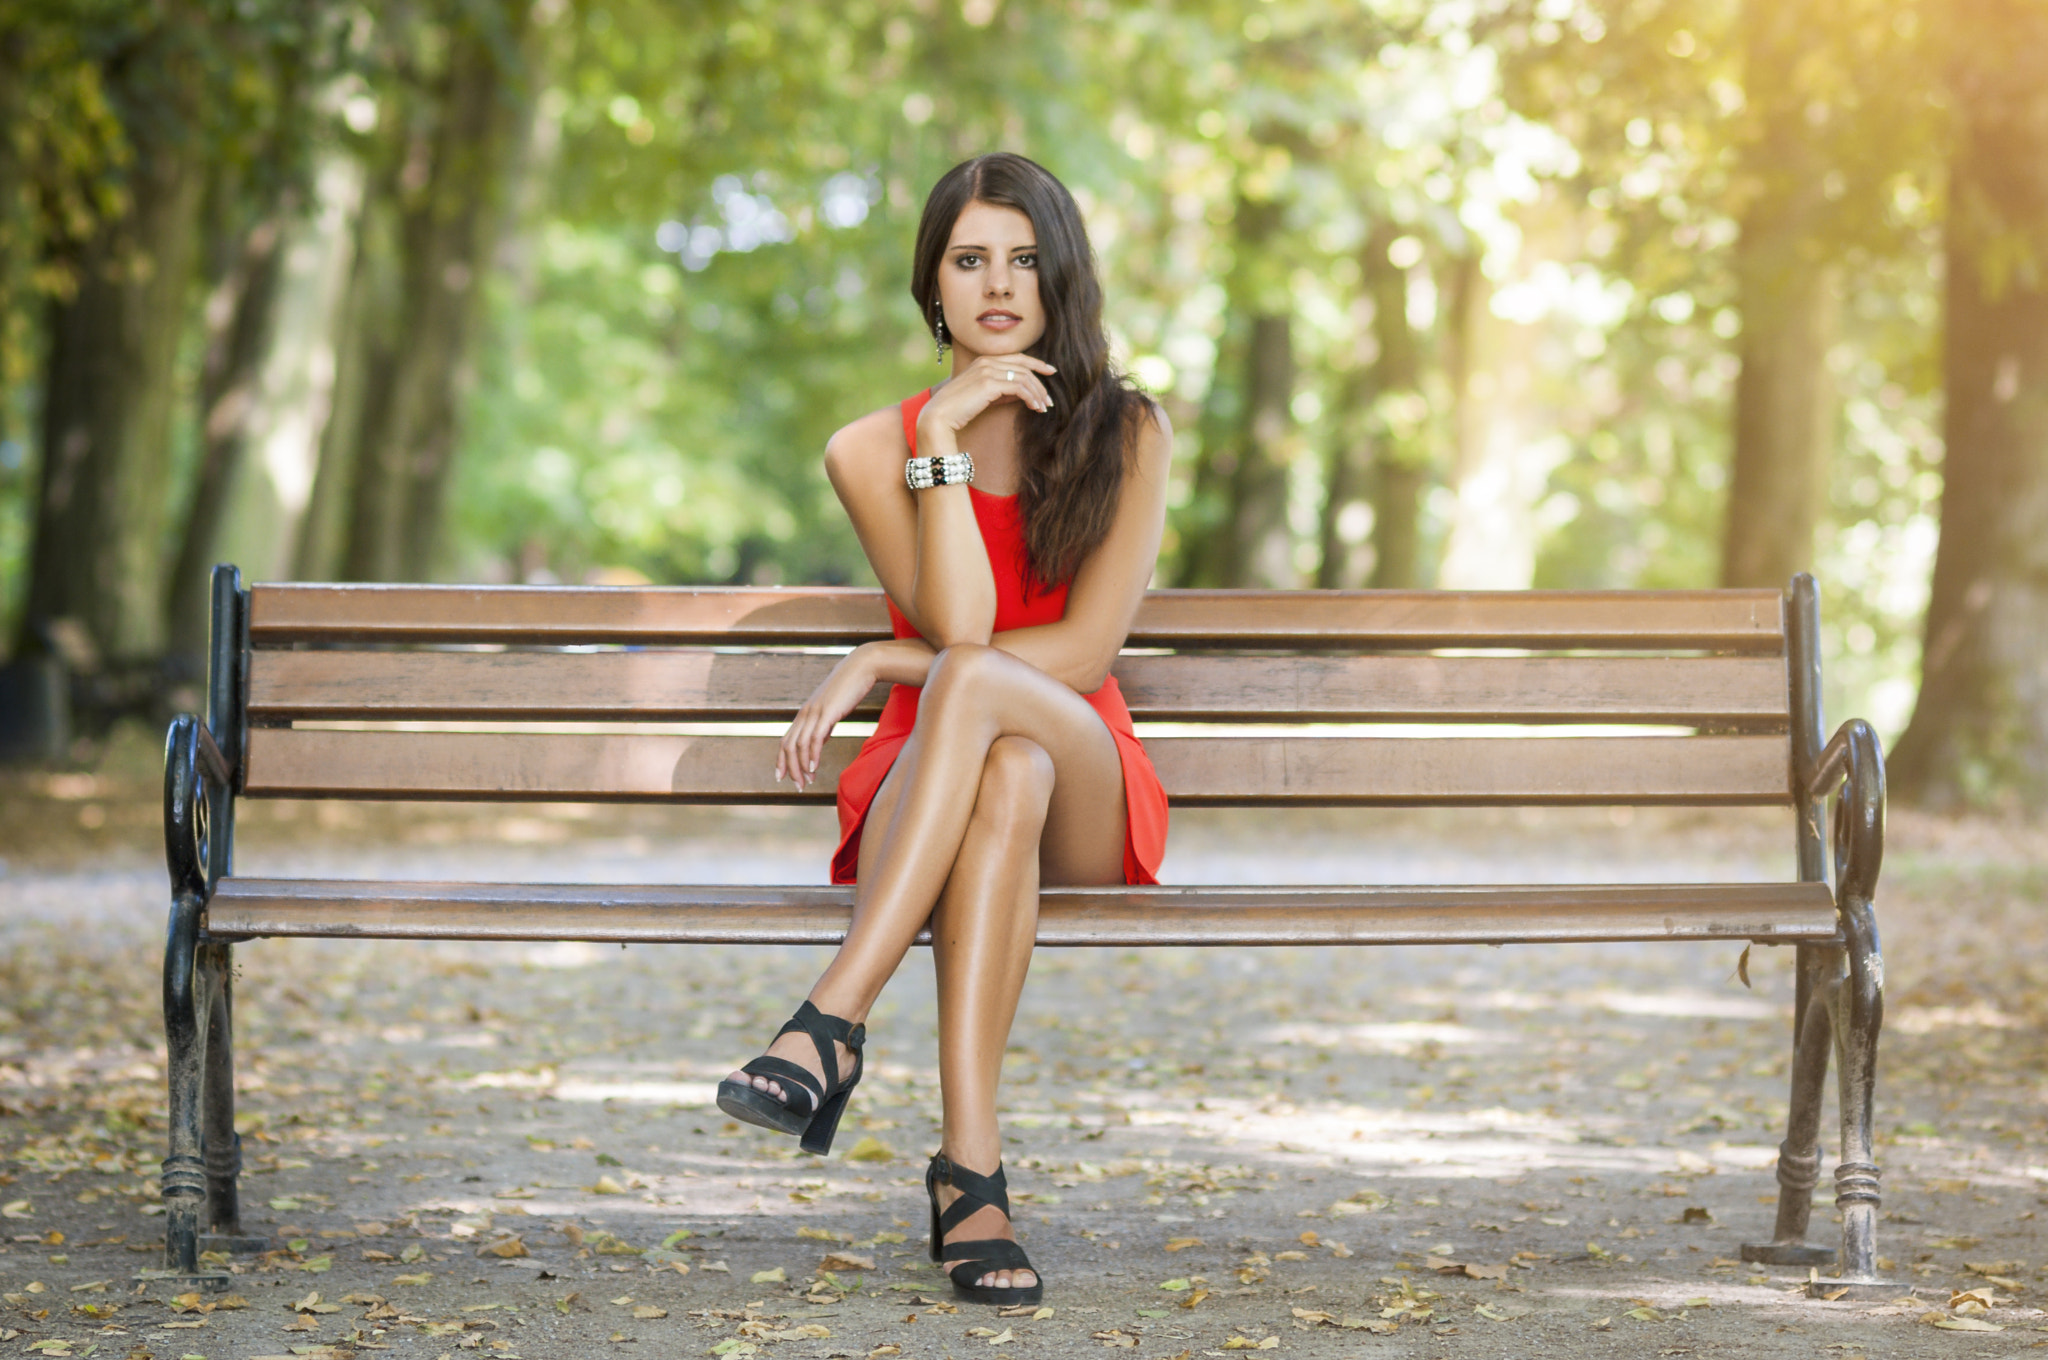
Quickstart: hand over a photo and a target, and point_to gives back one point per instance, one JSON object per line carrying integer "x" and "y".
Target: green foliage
{"x": 707, "y": 246}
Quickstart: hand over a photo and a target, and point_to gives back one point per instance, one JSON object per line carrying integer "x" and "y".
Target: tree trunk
{"x": 109, "y": 383}
{"x": 1259, "y": 549}
{"x": 359, "y": 467}
{"x": 16, "y": 223}
{"x": 1401, "y": 465}
{"x": 1788, "y": 292}
{"x": 239, "y": 317}
{"x": 1979, "y": 734}
{"x": 1239, "y": 507}
{"x": 269, "y": 506}
{"x": 407, "y": 435}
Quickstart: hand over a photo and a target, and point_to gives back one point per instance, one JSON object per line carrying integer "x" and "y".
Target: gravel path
{"x": 512, "y": 1150}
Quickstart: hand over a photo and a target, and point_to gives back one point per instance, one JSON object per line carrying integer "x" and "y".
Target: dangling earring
{"x": 945, "y": 341}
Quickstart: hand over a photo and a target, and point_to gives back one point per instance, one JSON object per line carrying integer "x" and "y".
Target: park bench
{"x": 527, "y": 693}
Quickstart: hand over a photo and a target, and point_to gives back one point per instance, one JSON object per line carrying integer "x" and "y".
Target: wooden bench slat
{"x": 1770, "y": 912}
{"x": 1220, "y": 771}
{"x": 1706, "y": 620}
{"x": 693, "y": 685}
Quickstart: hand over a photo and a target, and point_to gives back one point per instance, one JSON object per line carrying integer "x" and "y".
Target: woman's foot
{"x": 984, "y": 1224}
{"x": 801, "y": 1084}
{"x": 794, "y": 1047}
{"x": 973, "y": 1238}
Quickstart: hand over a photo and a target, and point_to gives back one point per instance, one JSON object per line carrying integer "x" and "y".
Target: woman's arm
{"x": 1106, "y": 592}
{"x": 911, "y": 538}
{"x": 926, "y": 546}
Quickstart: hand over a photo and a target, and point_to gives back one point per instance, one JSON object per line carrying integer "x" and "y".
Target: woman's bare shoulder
{"x": 1153, "y": 445}
{"x": 875, "y": 441}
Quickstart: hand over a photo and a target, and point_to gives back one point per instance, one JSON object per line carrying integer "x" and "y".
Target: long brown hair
{"x": 1074, "y": 456}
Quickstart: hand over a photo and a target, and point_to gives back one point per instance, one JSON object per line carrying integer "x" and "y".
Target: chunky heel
{"x": 816, "y": 1119}
{"x": 981, "y": 1257}
{"x": 825, "y": 1123}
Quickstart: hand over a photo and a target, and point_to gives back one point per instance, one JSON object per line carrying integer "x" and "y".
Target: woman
{"x": 1013, "y": 516}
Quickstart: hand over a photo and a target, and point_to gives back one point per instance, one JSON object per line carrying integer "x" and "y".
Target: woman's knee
{"x": 961, "y": 678}
{"x": 1016, "y": 784}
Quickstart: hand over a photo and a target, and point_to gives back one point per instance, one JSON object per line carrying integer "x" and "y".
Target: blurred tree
{"x": 1979, "y": 734}
{"x": 1241, "y": 477}
{"x": 1382, "y": 451}
{"x": 1788, "y": 277}
{"x": 1401, "y": 463}
{"x": 255, "y": 192}
{"x": 109, "y": 384}
{"x": 433, "y": 219}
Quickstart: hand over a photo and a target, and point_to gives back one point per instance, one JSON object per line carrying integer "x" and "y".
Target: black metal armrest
{"x": 195, "y": 775}
{"x": 1853, "y": 765}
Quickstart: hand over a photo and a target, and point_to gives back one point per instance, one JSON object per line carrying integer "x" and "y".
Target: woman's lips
{"x": 999, "y": 321}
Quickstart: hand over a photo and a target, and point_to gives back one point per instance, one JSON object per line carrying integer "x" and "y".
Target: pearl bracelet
{"x": 950, "y": 469}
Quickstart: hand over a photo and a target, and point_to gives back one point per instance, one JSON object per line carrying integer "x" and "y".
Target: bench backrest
{"x": 660, "y": 694}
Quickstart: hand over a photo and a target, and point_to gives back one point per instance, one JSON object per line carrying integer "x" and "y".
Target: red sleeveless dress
{"x": 1002, "y": 530}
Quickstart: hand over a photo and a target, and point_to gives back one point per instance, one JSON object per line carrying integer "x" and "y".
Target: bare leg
{"x": 982, "y": 937}
{"x": 918, "y": 822}
{"x": 1026, "y": 812}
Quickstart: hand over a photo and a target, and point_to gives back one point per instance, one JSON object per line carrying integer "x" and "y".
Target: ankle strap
{"x": 822, "y": 1030}
{"x": 976, "y": 1190}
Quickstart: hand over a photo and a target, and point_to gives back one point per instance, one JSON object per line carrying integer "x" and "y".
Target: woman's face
{"x": 988, "y": 282}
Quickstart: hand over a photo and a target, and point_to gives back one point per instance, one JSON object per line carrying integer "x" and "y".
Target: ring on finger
{"x": 1009, "y": 375}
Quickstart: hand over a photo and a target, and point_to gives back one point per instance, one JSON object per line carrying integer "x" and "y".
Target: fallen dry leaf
{"x": 1245, "y": 1343}
{"x": 870, "y": 1149}
{"x": 846, "y": 1260}
{"x": 1183, "y": 1243}
{"x": 1373, "y": 1325}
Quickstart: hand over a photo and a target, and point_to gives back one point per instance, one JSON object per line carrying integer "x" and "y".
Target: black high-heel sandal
{"x": 817, "y": 1119}
{"x": 977, "y": 1258}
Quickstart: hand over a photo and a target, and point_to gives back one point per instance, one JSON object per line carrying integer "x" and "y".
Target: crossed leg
{"x": 1008, "y": 779}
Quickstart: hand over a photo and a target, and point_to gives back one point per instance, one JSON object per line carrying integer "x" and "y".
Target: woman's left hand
{"x": 804, "y": 743}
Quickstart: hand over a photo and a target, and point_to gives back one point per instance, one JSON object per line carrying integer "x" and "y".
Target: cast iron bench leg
{"x": 1858, "y": 1016}
{"x": 184, "y": 1171}
{"x": 223, "y": 1146}
{"x": 1820, "y": 975}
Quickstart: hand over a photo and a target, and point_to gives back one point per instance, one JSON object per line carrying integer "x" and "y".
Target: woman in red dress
{"x": 1013, "y": 516}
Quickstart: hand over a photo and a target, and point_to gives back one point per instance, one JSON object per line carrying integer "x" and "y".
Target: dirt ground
{"x": 512, "y": 1150}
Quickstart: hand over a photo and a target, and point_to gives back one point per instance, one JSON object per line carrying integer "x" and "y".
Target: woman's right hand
{"x": 804, "y": 743}
{"x": 988, "y": 380}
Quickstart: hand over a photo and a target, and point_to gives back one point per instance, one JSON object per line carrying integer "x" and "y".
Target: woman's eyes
{"x": 973, "y": 261}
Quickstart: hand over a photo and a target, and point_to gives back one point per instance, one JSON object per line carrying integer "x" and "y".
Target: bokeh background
{"x": 1478, "y": 294}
